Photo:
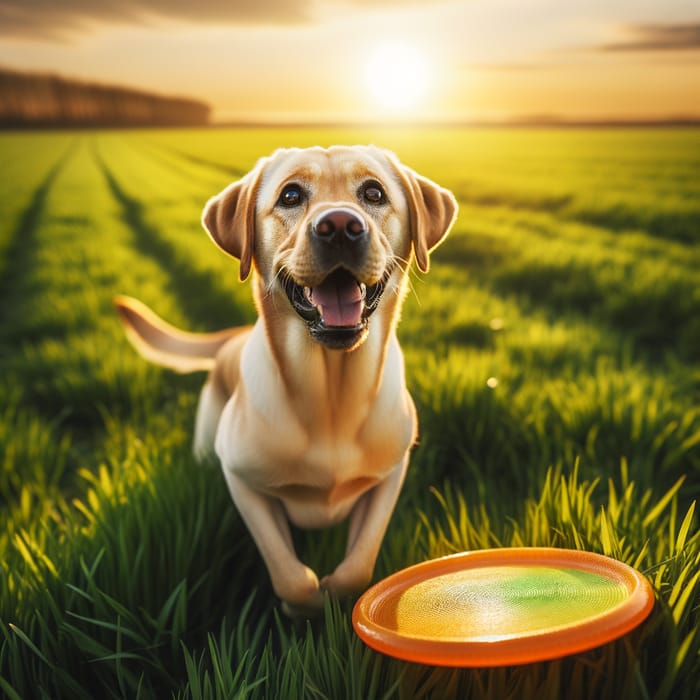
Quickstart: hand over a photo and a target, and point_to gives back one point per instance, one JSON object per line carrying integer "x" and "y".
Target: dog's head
{"x": 331, "y": 230}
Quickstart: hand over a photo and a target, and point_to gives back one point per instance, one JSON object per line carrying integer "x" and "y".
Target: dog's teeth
{"x": 307, "y": 293}
{"x": 363, "y": 290}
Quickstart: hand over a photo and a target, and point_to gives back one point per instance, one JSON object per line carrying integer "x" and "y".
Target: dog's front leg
{"x": 368, "y": 523}
{"x": 296, "y": 584}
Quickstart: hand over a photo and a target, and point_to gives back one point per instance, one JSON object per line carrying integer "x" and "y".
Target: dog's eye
{"x": 292, "y": 196}
{"x": 373, "y": 193}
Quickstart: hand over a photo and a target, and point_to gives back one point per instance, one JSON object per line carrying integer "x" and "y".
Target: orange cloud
{"x": 48, "y": 19}
{"x": 658, "y": 37}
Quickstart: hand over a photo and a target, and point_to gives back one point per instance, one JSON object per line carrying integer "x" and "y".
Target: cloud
{"x": 658, "y": 37}
{"x": 42, "y": 19}
{"x": 66, "y": 19}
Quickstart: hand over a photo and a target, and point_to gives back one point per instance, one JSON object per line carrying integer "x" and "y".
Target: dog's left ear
{"x": 432, "y": 210}
{"x": 229, "y": 219}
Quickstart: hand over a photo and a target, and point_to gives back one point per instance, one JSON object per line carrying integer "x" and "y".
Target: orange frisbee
{"x": 500, "y": 607}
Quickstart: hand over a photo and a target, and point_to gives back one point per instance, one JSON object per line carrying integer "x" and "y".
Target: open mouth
{"x": 337, "y": 309}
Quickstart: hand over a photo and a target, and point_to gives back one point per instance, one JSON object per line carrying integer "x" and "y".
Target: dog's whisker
{"x": 411, "y": 275}
{"x": 397, "y": 261}
{"x": 280, "y": 276}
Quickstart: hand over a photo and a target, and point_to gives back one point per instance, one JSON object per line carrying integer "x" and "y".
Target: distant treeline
{"x": 33, "y": 99}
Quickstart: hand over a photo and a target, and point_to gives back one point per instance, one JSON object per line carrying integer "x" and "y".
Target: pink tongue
{"x": 339, "y": 299}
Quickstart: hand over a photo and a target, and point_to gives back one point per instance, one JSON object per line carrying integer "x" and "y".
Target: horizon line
{"x": 545, "y": 122}
{"x": 513, "y": 121}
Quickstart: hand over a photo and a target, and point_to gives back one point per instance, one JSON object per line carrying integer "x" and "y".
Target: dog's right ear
{"x": 229, "y": 219}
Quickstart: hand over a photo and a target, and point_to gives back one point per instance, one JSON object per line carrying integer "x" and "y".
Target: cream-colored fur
{"x": 311, "y": 420}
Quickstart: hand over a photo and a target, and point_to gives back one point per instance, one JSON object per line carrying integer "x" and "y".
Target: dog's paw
{"x": 298, "y": 589}
{"x": 303, "y": 598}
{"x": 346, "y": 579}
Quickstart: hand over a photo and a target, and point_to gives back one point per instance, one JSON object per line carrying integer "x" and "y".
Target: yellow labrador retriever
{"x": 308, "y": 409}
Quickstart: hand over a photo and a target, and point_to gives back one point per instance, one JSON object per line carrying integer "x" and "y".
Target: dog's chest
{"x": 317, "y": 470}
{"x": 320, "y": 485}
{"x": 281, "y": 449}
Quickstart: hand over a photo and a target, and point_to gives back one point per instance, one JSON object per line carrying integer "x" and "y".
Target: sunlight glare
{"x": 397, "y": 76}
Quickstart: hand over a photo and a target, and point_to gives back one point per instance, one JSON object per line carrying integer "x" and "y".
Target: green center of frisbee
{"x": 502, "y": 602}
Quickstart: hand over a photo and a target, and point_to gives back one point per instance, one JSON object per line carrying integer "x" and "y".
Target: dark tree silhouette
{"x": 33, "y": 99}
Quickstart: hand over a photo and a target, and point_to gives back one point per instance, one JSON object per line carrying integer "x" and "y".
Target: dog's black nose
{"x": 334, "y": 225}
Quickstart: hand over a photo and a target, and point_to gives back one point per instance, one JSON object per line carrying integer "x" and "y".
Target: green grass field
{"x": 553, "y": 352}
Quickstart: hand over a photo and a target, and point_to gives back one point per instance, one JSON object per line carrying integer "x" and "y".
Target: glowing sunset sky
{"x": 335, "y": 60}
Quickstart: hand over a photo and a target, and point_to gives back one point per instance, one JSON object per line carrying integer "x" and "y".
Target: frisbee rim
{"x": 564, "y": 640}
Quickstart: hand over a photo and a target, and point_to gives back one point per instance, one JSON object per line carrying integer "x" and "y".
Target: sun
{"x": 397, "y": 76}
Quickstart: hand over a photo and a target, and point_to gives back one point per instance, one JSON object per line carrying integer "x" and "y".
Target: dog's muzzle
{"x": 337, "y": 310}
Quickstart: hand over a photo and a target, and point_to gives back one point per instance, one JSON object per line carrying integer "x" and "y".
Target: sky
{"x": 357, "y": 60}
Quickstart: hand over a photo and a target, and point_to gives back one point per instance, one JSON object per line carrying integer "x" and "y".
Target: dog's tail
{"x": 166, "y": 345}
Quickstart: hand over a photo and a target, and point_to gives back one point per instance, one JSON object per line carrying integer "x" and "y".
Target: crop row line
{"x": 197, "y": 293}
